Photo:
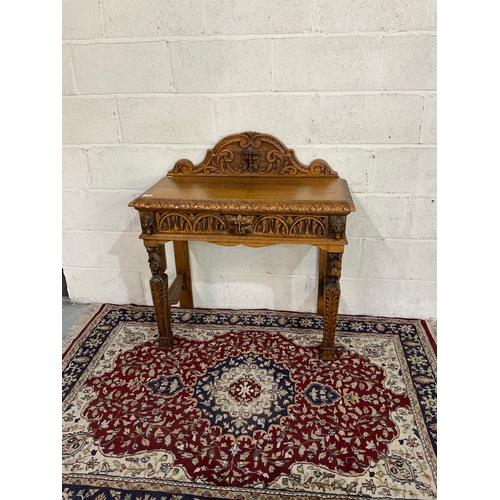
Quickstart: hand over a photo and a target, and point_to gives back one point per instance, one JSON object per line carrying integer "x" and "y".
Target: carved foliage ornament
{"x": 333, "y": 268}
{"x": 241, "y": 225}
{"x": 157, "y": 260}
{"x": 332, "y": 301}
{"x": 251, "y": 154}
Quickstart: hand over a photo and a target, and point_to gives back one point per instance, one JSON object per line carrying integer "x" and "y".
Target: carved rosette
{"x": 252, "y": 154}
{"x": 241, "y": 225}
{"x": 332, "y": 302}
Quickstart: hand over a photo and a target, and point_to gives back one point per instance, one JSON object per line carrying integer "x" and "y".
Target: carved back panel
{"x": 251, "y": 154}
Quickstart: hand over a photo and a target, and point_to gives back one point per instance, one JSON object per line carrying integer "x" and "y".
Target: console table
{"x": 249, "y": 190}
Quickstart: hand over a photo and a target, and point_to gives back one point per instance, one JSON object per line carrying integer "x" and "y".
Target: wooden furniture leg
{"x": 333, "y": 267}
{"x": 159, "y": 291}
{"x": 321, "y": 282}
{"x": 181, "y": 252}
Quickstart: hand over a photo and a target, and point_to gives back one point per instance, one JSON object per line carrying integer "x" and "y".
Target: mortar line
{"x": 383, "y": 63}
{"x": 284, "y": 93}
{"x": 93, "y": 231}
{"x": 215, "y": 115}
{"x": 72, "y": 65}
{"x": 170, "y": 66}
{"x": 118, "y": 119}
{"x": 382, "y": 195}
{"x": 100, "y": 250}
{"x": 397, "y": 293}
{"x": 317, "y": 119}
{"x": 133, "y": 192}
{"x": 375, "y": 194}
{"x": 344, "y": 278}
{"x": 314, "y": 17}
{"x": 103, "y": 22}
{"x": 370, "y": 173}
{"x": 206, "y": 28}
{"x": 87, "y": 168}
{"x": 139, "y": 145}
{"x": 221, "y": 37}
{"x": 291, "y": 145}
{"x": 423, "y": 123}
{"x": 273, "y": 72}
{"x": 361, "y": 257}
{"x": 358, "y": 194}
{"x": 106, "y": 268}
{"x": 409, "y": 216}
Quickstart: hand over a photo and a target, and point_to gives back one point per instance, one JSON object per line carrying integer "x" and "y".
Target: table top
{"x": 327, "y": 195}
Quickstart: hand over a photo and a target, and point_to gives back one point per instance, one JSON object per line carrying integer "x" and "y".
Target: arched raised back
{"x": 251, "y": 154}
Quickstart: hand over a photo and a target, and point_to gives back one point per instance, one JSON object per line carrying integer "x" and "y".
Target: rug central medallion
{"x": 245, "y": 393}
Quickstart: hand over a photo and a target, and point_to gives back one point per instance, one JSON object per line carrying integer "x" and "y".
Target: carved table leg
{"x": 181, "y": 252}
{"x": 332, "y": 300}
{"x": 159, "y": 291}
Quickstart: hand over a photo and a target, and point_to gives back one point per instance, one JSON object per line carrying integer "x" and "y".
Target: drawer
{"x": 273, "y": 225}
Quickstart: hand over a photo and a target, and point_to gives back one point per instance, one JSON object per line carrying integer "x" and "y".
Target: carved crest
{"x": 252, "y": 154}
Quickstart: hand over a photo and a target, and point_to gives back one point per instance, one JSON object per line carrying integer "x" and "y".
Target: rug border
{"x": 82, "y": 323}
{"x": 230, "y": 492}
{"x": 76, "y": 335}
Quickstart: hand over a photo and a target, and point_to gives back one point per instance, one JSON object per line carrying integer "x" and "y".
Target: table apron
{"x": 250, "y": 226}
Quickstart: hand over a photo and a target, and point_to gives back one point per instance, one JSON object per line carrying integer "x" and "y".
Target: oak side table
{"x": 249, "y": 190}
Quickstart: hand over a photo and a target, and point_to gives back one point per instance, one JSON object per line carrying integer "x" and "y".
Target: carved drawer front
{"x": 305, "y": 226}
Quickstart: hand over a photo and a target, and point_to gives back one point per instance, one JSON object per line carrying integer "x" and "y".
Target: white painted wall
{"x": 147, "y": 82}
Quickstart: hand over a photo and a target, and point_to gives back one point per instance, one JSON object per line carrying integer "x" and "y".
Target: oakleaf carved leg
{"x": 159, "y": 291}
{"x": 333, "y": 269}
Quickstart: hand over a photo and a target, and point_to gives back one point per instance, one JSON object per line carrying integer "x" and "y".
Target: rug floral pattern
{"x": 244, "y": 408}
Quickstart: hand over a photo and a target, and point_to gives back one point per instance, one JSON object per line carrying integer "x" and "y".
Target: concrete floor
{"x": 70, "y": 313}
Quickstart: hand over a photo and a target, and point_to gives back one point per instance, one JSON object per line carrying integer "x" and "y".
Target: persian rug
{"x": 243, "y": 408}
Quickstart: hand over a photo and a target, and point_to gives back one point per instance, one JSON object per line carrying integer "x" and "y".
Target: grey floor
{"x": 70, "y": 313}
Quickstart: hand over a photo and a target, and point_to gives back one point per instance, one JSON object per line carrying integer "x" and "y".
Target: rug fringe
{"x": 78, "y": 326}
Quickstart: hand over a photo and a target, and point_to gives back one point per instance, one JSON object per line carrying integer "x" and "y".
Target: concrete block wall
{"x": 147, "y": 82}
